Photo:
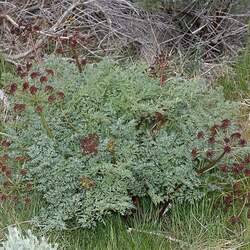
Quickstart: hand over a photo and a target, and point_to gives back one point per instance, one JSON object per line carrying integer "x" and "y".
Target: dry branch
{"x": 118, "y": 24}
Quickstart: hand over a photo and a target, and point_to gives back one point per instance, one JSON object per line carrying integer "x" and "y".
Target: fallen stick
{"x": 129, "y": 230}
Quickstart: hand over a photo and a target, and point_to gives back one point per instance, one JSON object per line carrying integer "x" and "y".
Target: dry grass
{"x": 109, "y": 25}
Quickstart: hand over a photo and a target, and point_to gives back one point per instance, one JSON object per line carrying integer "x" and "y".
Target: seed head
{"x": 236, "y": 169}
{"x": 5, "y": 143}
{"x": 8, "y": 172}
{"x": 23, "y": 171}
{"x": 60, "y": 94}
{"x": 200, "y": 135}
{"x": 211, "y": 140}
{"x": 50, "y": 72}
{"x": 13, "y": 88}
{"x": 27, "y": 201}
{"x": 227, "y": 149}
{"x": 228, "y": 199}
{"x": 194, "y": 153}
{"x": 225, "y": 123}
{"x": 21, "y": 159}
{"x": 48, "y": 89}
{"x": 33, "y": 90}
{"x": 247, "y": 172}
{"x": 89, "y": 144}
{"x": 34, "y": 74}
{"x": 3, "y": 197}
{"x": 224, "y": 168}
{"x": 39, "y": 109}
{"x": 43, "y": 79}
{"x": 210, "y": 153}
{"x": 26, "y": 86}
{"x": 19, "y": 107}
{"x": 234, "y": 220}
{"x": 242, "y": 142}
{"x": 51, "y": 98}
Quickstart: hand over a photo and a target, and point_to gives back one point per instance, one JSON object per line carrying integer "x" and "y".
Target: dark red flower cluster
{"x": 33, "y": 90}
{"x": 228, "y": 199}
{"x": 225, "y": 143}
{"x": 89, "y": 144}
{"x": 19, "y": 107}
{"x": 84, "y": 62}
{"x": 39, "y": 109}
{"x": 60, "y": 95}
{"x": 194, "y": 153}
{"x": 224, "y": 168}
{"x": 21, "y": 159}
{"x": 43, "y": 79}
{"x": 22, "y": 71}
{"x": 210, "y": 153}
{"x": 242, "y": 142}
{"x": 5, "y": 143}
{"x": 3, "y": 197}
{"x": 34, "y": 74}
{"x": 12, "y": 188}
{"x": 5, "y": 170}
{"x": 236, "y": 186}
{"x": 211, "y": 140}
{"x": 23, "y": 172}
{"x": 7, "y": 184}
{"x": 225, "y": 124}
{"x": 51, "y": 98}
{"x": 50, "y": 72}
{"x": 13, "y": 88}
{"x": 60, "y": 50}
{"x": 26, "y": 86}
{"x": 227, "y": 149}
{"x": 29, "y": 186}
{"x": 236, "y": 168}
{"x": 247, "y": 159}
{"x": 48, "y": 89}
{"x": 73, "y": 41}
{"x": 247, "y": 172}
{"x": 200, "y": 135}
{"x": 4, "y": 158}
{"x": 234, "y": 220}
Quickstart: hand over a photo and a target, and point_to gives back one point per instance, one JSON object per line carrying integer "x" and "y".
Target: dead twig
{"x": 168, "y": 237}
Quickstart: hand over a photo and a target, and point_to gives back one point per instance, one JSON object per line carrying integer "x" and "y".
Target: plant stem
{"x": 75, "y": 55}
{"x": 210, "y": 165}
{"x": 46, "y": 126}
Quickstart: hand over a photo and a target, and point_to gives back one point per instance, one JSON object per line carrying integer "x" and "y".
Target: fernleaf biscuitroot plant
{"x": 98, "y": 140}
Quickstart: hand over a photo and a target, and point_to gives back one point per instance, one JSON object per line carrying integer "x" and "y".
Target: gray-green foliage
{"x": 16, "y": 241}
{"x": 118, "y": 103}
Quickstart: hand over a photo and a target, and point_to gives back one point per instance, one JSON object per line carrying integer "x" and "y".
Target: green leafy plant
{"x": 101, "y": 139}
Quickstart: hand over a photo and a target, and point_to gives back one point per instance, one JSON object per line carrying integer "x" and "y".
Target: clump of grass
{"x": 236, "y": 84}
{"x": 194, "y": 226}
{"x": 4, "y": 68}
{"x": 204, "y": 226}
